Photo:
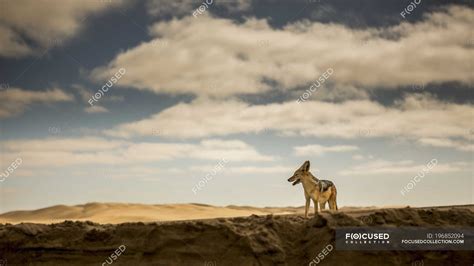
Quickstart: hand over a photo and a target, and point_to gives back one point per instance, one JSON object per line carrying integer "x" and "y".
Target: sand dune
{"x": 115, "y": 213}
{"x": 253, "y": 240}
{"x": 122, "y": 212}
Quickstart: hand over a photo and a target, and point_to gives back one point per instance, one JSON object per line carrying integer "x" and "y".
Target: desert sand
{"x": 115, "y": 213}
{"x": 122, "y": 212}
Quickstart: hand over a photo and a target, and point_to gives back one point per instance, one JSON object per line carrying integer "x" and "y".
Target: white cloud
{"x": 47, "y": 23}
{"x": 96, "y": 109}
{"x": 247, "y": 169}
{"x": 358, "y": 157}
{"x": 447, "y": 143}
{"x": 382, "y": 167}
{"x": 86, "y": 94}
{"x": 318, "y": 150}
{"x": 15, "y": 100}
{"x": 414, "y": 117}
{"x": 262, "y": 170}
{"x": 218, "y": 57}
{"x": 60, "y": 152}
{"x": 85, "y": 144}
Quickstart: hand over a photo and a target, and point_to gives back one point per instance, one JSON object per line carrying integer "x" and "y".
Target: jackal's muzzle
{"x": 295, "y": 182}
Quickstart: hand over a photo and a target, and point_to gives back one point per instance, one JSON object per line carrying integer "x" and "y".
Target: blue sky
{"x": 224, "y": 85}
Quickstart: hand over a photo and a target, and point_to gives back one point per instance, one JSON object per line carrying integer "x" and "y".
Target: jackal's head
{"x": 303, "y": 170}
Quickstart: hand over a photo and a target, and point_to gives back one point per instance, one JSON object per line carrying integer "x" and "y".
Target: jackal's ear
{"x": 305, "y": 166}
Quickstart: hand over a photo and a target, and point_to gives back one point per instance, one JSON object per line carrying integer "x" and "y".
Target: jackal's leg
{"x": 332, "y": 205}
{"x": 332, "y": 199}
{"x": 315, "y": 206}
{"x": 307, "y": 207}
{"x": 322, "y": 206}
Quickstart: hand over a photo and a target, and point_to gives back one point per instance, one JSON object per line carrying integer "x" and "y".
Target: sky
{"x": 186, "y": 102}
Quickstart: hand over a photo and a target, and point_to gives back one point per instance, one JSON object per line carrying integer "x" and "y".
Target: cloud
{"x": 245, "y": 169}
{"x": 382, "y": 167}
{"x": 46, "y": 23}
{"x": 11, "y": 44}
{"x": 447, "y": 143}
{"x": 219, "y": 57}
{"x": 86, "y": 95}
{"x": 360, "y": 157}
{"x": 60, "y": 152}
{"x": 318, "y": 150}
{"x": 85, "y": 144}
{"x": 335, "y": 93}
{"x": 262, "y": 170}
{"x": 15, "y": 100}
{"x": 180, "y": 8}
{"x": 96, "y": 109}
{"x": 414, "y": 117}
{"x": 177, "y": 8}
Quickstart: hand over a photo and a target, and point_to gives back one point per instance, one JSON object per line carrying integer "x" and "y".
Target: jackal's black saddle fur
{"x": 323, "y": 184}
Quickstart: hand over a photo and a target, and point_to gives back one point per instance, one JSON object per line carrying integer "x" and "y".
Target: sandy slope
{"x": 253, "y": 240}
{"x": 122, "y": 212}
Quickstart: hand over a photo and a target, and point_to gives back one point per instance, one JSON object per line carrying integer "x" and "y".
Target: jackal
{"x": 320, "y": 191}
